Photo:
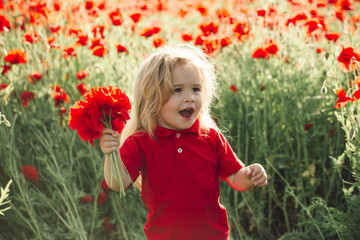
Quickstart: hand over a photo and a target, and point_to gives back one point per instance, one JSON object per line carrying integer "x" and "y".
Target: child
{"x": 177, "y": 148}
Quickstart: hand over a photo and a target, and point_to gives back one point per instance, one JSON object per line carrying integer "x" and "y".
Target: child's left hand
{"x": 257, "y": 174}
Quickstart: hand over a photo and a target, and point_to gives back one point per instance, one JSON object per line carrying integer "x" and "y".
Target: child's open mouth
{"x": 187, "y": 113}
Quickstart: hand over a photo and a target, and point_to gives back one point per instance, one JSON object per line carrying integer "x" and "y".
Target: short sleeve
{"x": 132, "y": 157}
{"x": 228, "y": 162}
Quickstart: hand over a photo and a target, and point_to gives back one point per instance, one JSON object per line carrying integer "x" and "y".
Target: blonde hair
{"x": 152, "y": 87}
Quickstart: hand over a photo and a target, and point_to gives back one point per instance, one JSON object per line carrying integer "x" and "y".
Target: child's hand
{"x": 109, "y": 141}
{"x": 257, "y": 174}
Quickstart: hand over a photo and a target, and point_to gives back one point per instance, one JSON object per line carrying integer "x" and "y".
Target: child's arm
{"x": 110, "y": 142}
{"x": 248, "y": 177}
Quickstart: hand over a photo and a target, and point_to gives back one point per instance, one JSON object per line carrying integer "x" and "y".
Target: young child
{"x": 177, "y": 148}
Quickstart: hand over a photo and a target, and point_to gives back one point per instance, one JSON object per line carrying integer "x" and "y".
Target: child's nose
{"x": 189, "y": 97}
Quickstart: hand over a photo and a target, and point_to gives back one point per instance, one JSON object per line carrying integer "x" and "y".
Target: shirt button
{"x": 179, "y": 150}
{"x": 178, "y": 135}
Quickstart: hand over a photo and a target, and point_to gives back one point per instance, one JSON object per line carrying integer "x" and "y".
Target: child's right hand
{"x": 109, "y": 141}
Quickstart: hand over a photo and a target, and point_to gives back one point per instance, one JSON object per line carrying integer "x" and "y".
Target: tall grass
{"x": 313, "y": 171}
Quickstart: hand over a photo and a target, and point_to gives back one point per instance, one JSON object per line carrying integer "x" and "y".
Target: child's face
{"x": 183, "y": 108}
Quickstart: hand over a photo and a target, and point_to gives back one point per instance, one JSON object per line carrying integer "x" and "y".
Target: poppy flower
{"x": 6, "y": 68}
{"x": 199, "y": 40}
{"x": 35, "y": 77}
{"x": 343, "y": 98}
{"x": 99, "y": 51}
{"x": 31, "y": 37}
{"x": 82, "y": 88}
{"x": 260, "y": 53}
{"x": 261, "y": 12}
{"x": 69, "y": 51}
{"x": 81, "y": 74}
{"x": 233, "y": 88}
{"x": 272, "y": 48}
{"x": 148, "y": 32}
{"x": 107, "y": 225}
{"x": 332, "y": 36}
{"x": 86, "y": 116}
{"x": 30, "y": 173}
{"x": 86, "y": 199}
{"x": 241, "y": 28}
{"x": 211, "y": 46}
{"x": 121, "y": 48}
{"x": 225, "y": 41}
{"x": 55, "y": 29}
{"x": 187, "y": 37}
{"x": 102, "y": 198}
{"x": 52, "y": 44}
{"x": 347, "y": 57}
{"x": 60, "y": 96}
{"x": 83, "y": 40}
{"x": 208, "y": 28}
{"x": 16, "y": 56}
{"x": 4, "y": 24}
{"x": 356, "y": 95}
{"x": 135, "y": 17}
{"x": 320, "y": 50}
{"x": 116, "y": 17}
{"x": 158, "y": 42}
{"x": 89, "y": 4}
{"x": 308, "y": 126}
{"x": 25, "y": 97}
{"x": 104, "y": 186}
{"x": 202, "y": 9}
{"x": 222, "y": 13}
{"x": 3, "y": 86}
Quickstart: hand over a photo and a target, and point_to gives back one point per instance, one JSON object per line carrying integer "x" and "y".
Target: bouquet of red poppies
{"x": 103, "y": 107}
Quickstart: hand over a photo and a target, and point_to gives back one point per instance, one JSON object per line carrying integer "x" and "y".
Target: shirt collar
{"x": 165, "y": 132}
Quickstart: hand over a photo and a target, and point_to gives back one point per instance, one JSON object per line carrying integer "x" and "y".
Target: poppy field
{"x": 288, "y": 98}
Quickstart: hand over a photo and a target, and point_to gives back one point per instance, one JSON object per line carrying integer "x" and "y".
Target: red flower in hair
{"x": 16, "y": 56}
{"x": 30, "y": 173}
{"x": 348, "y": 59}
{"x": 26, "y": 96}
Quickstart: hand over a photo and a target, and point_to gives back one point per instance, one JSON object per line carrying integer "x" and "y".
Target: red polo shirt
{"x": 180, "y": 181}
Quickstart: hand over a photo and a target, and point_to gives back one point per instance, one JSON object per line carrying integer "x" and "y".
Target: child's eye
{"x": 196, "y": 89}
{"x": 177, "y": 90}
